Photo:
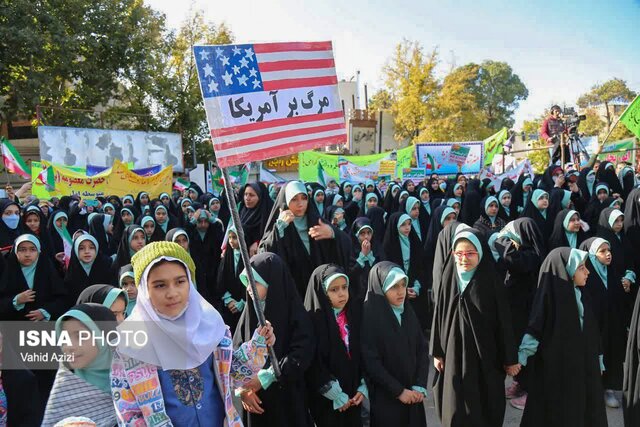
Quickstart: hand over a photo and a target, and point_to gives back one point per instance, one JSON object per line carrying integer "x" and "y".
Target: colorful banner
{"x": 308, "y": 161}
{"x": 434, "y": 158}
{"x": 631, "y": 117}
{"x": 388, "y": 167}
{"x": 458, "y": 154}
{"x": 414, "y": 174}
{"x": 269, "y": 99}
{"x": 615, "y": 151}
{"x": 355, "y": 173}
{"x": 513, "y": 174}
{"x": 151, "y": 170}
{"x": 493, "y": 145}
{"x": 119, "y": 181}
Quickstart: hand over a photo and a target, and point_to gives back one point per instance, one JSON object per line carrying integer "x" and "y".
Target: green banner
{"x": 618, "y": 151}
{"x": 308, "y": 162}
{"x": 631, "y": 117}
{"x": 493, "y": 145}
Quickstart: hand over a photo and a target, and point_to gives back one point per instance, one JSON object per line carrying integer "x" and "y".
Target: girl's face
{"x": 618, "y": 224}
{"x": 410, "y": 186}
{"x": 415, "y": 211}
{"x": 137, "y": 241}
{"x": 168, "y": 286}
{"x": 340, "y": 203}
{"x": 203, "y": 224}
{"x": 337, "y": 218}
{"x": 604, "y": 254}
{"x": 451, "y": 217}
{"x": 492, "y": 209}
{"x": 527, "y": 188}
{"x": 60, "y": 222}
{"x": 33, "y": 222}
{"x": 357, "y": 195}
{"x": 165, "y": 200}
{"x": 144, "y": 199}
{"x": 602, "y": 195}
{"x": 215, "y": 206}
{"x": 405, "y": 228}
{"x": 424, "y": 196}
{"x": 320, "y": 198}
{"x": 456, "y": 207}
{"x": 458, "y": 192}
{"x": 81, "y": 353}
{"x": 161, "y": 216}
{"x": 466, "y": 255}
{"x": 251, "y": 198}
{"x": 11, "y": 210}
{"x": 403, "y": 198}
{"x": 193, "y": 195}
{"x": 372, "y": 202}
{"x": 574, "y": 224}
{"x": 118, "y": 308}
{"x": 581, "y": 275}
{"x": 149, "y": 228}
{"x": 298, "y": 205}
{"x": 109, "y": 211}
{"x": 347, "y": 189}
{"x": 338, "y": 293}
{"x": 262, "y": 291}
{"x": 27, "y": 254}
{"x": 395, "y": 191}
{"x": 182, "y": 241}
{"x": 86, "y": 251}
{"x": 129, "y": 286}
{"x": 506, "y": 200}
{"x": 127, "y": 218}
{"x": 435, "y": 185}
{"x": 233, "y": 240}
{"x": 185, "y": 205}
{"x": 365, "y": 234}
{"x": 543, "y": 202}
{"x": 127, "y": 202}
{"x": 397, "y": 293}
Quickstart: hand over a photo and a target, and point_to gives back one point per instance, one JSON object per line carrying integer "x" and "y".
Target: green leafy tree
{"x": 603, "y": 94}
{"x": 381, "y": 100}
{"x": 593, "y": 125}
{"x": 70, "y": 54}
{"x": 410, "y": 80}
{"x": 538, "y": 157}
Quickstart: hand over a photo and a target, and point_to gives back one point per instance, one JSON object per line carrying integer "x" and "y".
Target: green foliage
{"x": 603, "y": 94}
{"x": 593, "y": 125}
{"x": 381, "y": 100}
{"x": 539, "y": 158}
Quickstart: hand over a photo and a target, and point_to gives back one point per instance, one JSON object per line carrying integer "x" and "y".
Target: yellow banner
{"x": 118, "y": 181}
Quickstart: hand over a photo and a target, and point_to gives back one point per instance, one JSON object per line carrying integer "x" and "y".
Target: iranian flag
{"x": 46, "y": 177}
{"x": 13, "y": 162}
{"x": 181, "y": 184}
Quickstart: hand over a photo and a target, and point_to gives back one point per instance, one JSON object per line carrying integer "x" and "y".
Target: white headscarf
{"x": 184, "y": 342}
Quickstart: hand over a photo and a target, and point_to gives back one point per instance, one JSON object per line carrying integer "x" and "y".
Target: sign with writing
{"x": 436, "y": 158}
{"x": 283, "y": 164}
{"x": 355, "y": 173}
{"x": 119, "y": 181}
{"x": 414, "y": 174}
{"x": 308, "y": 167}
{"x": 459, "y": 153}
{"x": 388, "y": 167}
{"x": 102, "y": 147}
{"x": 269, "y": 99}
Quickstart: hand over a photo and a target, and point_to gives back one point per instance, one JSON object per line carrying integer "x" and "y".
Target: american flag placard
{"x": 269, "y": 99}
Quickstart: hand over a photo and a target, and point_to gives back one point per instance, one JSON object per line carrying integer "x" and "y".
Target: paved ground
{"x": 512, "y": 415}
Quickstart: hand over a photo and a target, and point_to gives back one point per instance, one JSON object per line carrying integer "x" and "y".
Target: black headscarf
{"x": 357, "y": 273}
{"x": 394, "y": 354}
{"x": 76, "y": 279}
{"x": 43, "y": 234}
{"x": 123, "y": 255}
{"x": 254, "y": 220}
{"x": 228, "y": 280}
{"x": 471, "y": 207}
{"x": 7, "y": 235}
{"x": 545, "y": 225}
{"x": 332, "y": 360}
{"x": 50, "y": 292}
{"x": 97, "y": 230}
{"x": 377, "y": 216}
{"x": 390, "y": 203}
{"x": 97, "y": 294}
{"x": 565, "y": 367}
{"x": 441, "y": 254}
{"x": 607, "y": 173}
{"x": 294, "y": 346}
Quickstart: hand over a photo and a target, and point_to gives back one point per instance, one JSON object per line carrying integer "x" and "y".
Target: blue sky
{"x": 559, "y": 49}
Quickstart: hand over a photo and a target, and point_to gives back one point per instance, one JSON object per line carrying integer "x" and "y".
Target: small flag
{"x": 239, "y": 176}
{"x": 46, "y": 177}
{"x": 270, "y": 177}
{"x": 631, "y": 117}
{"x": 181, "y": 184}
{"x": 323, "y": 177}
{"x": 13, "y": 162}
{"x": 493, "y": 145}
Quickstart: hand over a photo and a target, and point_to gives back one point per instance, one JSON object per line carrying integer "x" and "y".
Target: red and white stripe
{"x": 279, "y": 137}
{"x": 295, "y": 65}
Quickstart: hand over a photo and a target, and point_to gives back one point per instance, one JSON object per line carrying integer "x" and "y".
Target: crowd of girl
{"x": 362, "y": 287}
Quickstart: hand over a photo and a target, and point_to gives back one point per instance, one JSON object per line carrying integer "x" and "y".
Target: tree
{"x": 603, "y": 94}
{"x": 498, "y": 92}
{"x": 70, "y": 54}
{"x": 381, "y": 100}
{"x": 411, "y": 82}
{"x": 593, "y": 125}
{"x": 538, "y": 156}
{"x": 456, "y": 115}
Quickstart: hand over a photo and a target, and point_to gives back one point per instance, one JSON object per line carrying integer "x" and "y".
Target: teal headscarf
{"x": 408, "y": 206}
{"x": 464, "y": 277}
{"x": 303, "y": 231}
{"x": 86, "y": 266}
{"x": 165, "y": 224}
{"x": 135, "y": 230}
{"x": 320, "y": 206}
{"x": 62, "y": 231}
{"x": 327, "y": 282}
{"x": 131, "y": 303}
{"x": 615, "y": 214}
{"x": 29, "y": 272}
{"x": 336, "y": 199}
{"x": 591, "y": 179}
{"x": 509, "y": 231}
{"x": 566, "y": 199}
{"x": 525, "y": 194}
{"x": 602, "y": 186}
{"x": 571, "y": 237}
{"x": 342, "y": 224}
{"x": 293, "y": 189}
{"x": 394, "y": 276}
{"x": 537, "y": 193}
{"x": 405, "y": 245}
{"x": 452, "y": 202}
{"x": 487, "y": 202}
{"x": 147, "y": 219}
{"x": 133, "y": 217}
{"x": 366, "y": 200}
{"x": 426, "y": 204}
{"x": 503, "y": 193}
{"x": 97, "y": 372}
{"x": 576, "y": 258}
{"x": 446, "y": 212}
{"x": 600, "y": 268}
